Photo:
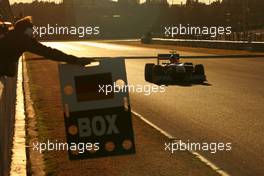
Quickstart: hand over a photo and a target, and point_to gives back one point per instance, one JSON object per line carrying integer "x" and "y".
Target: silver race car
{"x": 174, "y": 71}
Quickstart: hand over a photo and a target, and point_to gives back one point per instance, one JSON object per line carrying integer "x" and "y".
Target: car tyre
{"x": 158, "y": 70}
{"x": 199, "y": 69}
{"x": 149, "y": 72}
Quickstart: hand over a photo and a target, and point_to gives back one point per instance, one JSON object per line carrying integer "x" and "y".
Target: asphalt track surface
{"x": 228, "y": 109}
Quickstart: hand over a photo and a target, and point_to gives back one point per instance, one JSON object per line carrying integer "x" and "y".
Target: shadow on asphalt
{"x": 185, "y": 84}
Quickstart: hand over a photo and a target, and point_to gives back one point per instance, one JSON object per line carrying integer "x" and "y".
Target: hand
{"x": 84, "y": 61}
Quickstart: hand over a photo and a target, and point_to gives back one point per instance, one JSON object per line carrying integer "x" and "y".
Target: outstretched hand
{"x": 84, "y": 61}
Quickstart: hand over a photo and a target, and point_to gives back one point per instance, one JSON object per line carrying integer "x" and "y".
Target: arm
{"x": 32, "y": 45}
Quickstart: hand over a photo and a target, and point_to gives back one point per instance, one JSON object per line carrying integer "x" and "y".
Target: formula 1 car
{"x": 146, "y": 38}
{"x": 174, "y": 72}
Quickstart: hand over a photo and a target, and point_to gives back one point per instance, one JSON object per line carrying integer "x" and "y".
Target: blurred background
{"x": 133, "y": 18}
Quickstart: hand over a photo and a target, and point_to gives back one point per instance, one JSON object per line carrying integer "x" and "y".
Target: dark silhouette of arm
{"x": 32, "y": 45}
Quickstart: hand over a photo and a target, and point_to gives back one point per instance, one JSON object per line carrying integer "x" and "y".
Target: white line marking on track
{"x": 197, "y": 155}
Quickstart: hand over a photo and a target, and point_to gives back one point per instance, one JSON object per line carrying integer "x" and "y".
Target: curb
{"x": 35, "y": 164}
{"x": 19, "y": 159}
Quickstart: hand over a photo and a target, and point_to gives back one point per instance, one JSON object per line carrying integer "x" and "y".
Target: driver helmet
{"x": 174, "y": 58}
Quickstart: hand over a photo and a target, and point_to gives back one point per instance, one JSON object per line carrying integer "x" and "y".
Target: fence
{"x": 219, "y": 44}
